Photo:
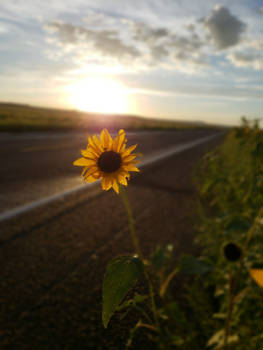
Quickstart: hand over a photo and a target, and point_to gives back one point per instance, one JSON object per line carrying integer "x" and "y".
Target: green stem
{"x": 138, "y": 251}
{"x": 252, "y": 230}
{"x": 229, "y": 311}
{"x": 131, "y": 223}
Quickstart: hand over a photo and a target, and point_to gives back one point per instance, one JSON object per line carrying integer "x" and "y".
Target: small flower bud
{"x": 232, "y": 252}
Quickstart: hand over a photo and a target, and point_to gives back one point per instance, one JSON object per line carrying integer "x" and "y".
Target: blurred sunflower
{"x": 108, "y": 159}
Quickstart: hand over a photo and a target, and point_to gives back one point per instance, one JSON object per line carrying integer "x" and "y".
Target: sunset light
{"x": 101, "y": 95}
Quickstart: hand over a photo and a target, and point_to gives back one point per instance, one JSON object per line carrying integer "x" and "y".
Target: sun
{"x": 100, "y": 95}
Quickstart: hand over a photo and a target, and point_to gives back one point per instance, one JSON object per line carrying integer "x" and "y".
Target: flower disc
{"x": 109, "y": 161}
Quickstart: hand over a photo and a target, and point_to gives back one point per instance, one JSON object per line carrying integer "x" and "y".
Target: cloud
{"x": 178, "y": 51}
{"x": 225, "y": 28}
{"x": 105, "y": 42}
{"x": 103, "y": 39}
{"x": 130, "y": 43}
{"x": 244, "y": 59}
{"x": 189, "y": 45}
{"x": 144, "y": 33}
{"x": 255, "y": 44}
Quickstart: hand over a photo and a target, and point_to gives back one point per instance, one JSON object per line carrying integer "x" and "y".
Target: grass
{"x": 19, "y": 117}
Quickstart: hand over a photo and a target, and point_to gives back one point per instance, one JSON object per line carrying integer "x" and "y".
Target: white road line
{"x": 154, "y": 158}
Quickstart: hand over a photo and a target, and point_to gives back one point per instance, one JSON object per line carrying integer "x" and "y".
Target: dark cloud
{"x": 158, "y": 52}
{"x": 190, "y": 27}
{"x": 188, "y": 44}
{"x": 225, "y": 28}
{"x": 144, "y": 33}
{"x": 106, "y": 42}
{"x": 188, "y": 50}
{"x": 163, "y": 43}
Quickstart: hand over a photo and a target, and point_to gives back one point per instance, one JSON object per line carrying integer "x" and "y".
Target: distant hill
{"x": 23, "y": 117}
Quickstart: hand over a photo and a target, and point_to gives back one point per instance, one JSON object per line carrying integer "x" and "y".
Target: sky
{"x": 171, "y": 59}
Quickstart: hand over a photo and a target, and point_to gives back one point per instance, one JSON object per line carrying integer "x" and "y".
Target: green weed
{"x": 217, "y": 304}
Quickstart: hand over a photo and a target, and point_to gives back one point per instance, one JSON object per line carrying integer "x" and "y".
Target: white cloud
{"x": 256, "y": 44}
{"x": 225, "y": 28}
{"x": 106, "y": 42}
{"x": 136, "y": 44}
{"x": 245, "y": 59}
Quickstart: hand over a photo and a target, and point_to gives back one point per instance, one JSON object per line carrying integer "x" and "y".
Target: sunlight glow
{"x": 100, "y": 95}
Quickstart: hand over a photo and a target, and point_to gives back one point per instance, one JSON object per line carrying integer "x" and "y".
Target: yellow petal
{"x": 88, "y": 154}
{"x": 132, "y": 168}
{"x": 106, "y": 139}
{"x": 119, "y": 141}
{"x": 91, "y": 179}
{"x": 128, "y": 158}
{"x": 91, "y": 171}
{"x": 84, "y": 170}
{"x": 128, "y": 150}
{"x": 124, "y": 173}
{"x": 94, "y": 147}
{"x": 257, "y": 275}
{"x": 97, "y": 143}
{"x": 97, "y": 175}
{"x": 122, "y": 140}
{"x": 115, "y": 143}
{"x": 122, "y": 180}
{"x": 83, "y": 162}
{"x": 115, "y": 186}
{"x": 106, "y": 183}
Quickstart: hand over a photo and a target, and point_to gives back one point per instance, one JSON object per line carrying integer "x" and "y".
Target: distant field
{"x": 16, "y": 117}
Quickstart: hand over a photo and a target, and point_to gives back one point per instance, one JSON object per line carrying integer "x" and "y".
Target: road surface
{"x": 38, "y": 165}
{"x": 52, "y": 258}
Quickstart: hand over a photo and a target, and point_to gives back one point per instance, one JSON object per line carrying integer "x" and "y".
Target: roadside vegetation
{"x": 212, "y": 300}
{"x": 16, "y": 117}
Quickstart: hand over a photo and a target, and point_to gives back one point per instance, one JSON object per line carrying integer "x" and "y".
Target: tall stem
{"x": 134, "y": 238}
{"x": 229, "y": 311}
{"x": 138, "y": 251}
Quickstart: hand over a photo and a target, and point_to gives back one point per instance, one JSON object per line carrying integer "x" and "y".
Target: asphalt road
{"x": 52, "y": 259}
{"x": 37, "y": 165}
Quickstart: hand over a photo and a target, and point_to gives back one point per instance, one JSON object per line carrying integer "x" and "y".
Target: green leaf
{"x": 257, "y": 265}
{"x": 258, "y": 150}
{"x": 219, "y": 316}
{"x": 173, "y": 311}
{"x": 217, "y": 340}
{"x": 121, "y": 274}
{"x": 137, "y": 299}
{"x": 161, "y": 256}
{"x": 193, "y": 266}
{"x": 238, "y": 225}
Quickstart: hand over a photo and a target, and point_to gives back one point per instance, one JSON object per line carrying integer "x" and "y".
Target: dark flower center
{"x": 109, "y": 161}
{"x": 232, "y": 252}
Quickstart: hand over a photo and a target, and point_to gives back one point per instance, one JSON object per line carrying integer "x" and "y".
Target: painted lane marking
{"x": 154, "y": 158}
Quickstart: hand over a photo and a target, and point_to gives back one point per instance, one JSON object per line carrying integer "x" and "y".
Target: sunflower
{"x": 108, "y": 160}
